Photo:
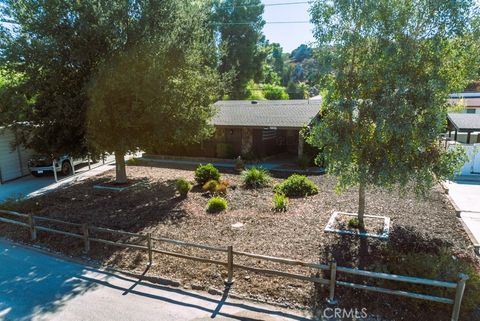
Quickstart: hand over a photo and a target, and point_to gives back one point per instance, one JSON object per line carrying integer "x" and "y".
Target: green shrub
{"x": 443, "y": 265}
{"x": 183, "y": 186}
{"x": 274, "y": 92}
{"x": 296, "y": 186}
{"x": 355, "y": 223}
{"x": 205, "y": 173}
{"x": 213, "y": 186}
{"x": 280, "y": 202}
{"x": 216, "y": 204}
{"x": 255, "y": 177}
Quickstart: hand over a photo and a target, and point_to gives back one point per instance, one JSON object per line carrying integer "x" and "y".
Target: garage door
{"x": 10, "y": 165}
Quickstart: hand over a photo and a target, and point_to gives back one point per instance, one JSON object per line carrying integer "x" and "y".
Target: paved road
{"x": 36, "y": 286}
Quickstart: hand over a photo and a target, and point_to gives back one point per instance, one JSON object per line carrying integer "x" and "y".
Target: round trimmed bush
{"x": 255, "y": 177}
{"x": 217, "y": 204}
{"x": 205, "y": 173}
{"x": 296, "y": 186}
{"x": 183, "y": 186}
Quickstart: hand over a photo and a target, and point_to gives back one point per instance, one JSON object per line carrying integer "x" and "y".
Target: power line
{"x": 266, "y": 22}
{"x": 269, "y": 4}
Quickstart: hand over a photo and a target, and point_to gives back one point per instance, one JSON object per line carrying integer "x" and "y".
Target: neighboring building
{"x": 471, "y": 101}
{"x": 13, "y": 162}
{"x": 464, "y": 129}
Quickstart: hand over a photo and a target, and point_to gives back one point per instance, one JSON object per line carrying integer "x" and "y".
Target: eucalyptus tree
{"x": 393, "y": 64}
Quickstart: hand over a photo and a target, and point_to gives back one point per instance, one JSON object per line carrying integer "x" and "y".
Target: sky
{"x": 289, "y": 36}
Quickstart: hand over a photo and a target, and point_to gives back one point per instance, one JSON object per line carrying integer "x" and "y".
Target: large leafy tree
{"x": 394, "y": 64}
{"x": 54, "y": 45}
{"x": 158, "y": 92}
{"x": 57, "y": 46}
{"x": 239, "y": 24}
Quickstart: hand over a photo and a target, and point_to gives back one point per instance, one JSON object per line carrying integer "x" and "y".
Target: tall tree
{"x": 239, "y": 26}
{"x": 393, "y": 66}
{"x": 159, "y": 91}
{"x": 57, "y": 46}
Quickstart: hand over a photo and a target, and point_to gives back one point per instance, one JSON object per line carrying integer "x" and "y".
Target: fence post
{"x": 149, "y": 245}
{"x": 89, "y": 166}
{"x": 459, "y": 295}
{"x": 54, "y": 165}
{"x": 33, "y": 230}
{"x": 86, "y": 238}
{"x": 333, "y": 276}
{"x": 229, "y": 280}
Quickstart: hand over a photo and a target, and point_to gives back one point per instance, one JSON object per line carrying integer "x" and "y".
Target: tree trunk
{"x": 121, "y": 171}
{"x": 361, "y": 203}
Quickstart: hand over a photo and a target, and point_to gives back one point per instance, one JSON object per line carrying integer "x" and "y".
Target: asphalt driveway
{"x": 36, "y": 286}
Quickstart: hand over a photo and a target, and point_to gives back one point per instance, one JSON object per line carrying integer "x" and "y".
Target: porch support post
{"x": 468, "y": 137}
{"x": 455, "y": 136}
{"x": 247, "y": 141}
{"x": 300, "y": 145}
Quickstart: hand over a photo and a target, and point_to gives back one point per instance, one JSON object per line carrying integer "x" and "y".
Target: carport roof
{"x": 465, "y": 122}
{"x": 265, "y": 113}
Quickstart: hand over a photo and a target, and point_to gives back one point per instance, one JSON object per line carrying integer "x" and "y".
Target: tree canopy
{"x": 157, "y": 93}
{"x": 392, "y": 68}
{"x": 239, "y": 24}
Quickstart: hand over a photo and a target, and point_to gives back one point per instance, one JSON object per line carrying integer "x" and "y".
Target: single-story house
{"x": 470, "y": 100}
{"x": 254, "y": 129}
{"x": 13, "y": 161}
{"x": 262, "y": 128}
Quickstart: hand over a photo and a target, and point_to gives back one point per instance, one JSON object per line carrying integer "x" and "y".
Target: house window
{"x": 470, "y": 111}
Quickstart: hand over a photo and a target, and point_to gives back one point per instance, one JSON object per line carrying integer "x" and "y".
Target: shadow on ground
{"x": 407, "y": 252}
{"x": 35, "y": 285}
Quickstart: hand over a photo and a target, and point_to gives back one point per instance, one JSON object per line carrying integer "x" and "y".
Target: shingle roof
{"x": 465, "y": 122}
{"x": 265, "y": 113}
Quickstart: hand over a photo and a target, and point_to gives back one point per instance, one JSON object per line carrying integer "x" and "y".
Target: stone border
{"x": 383, "y": 236}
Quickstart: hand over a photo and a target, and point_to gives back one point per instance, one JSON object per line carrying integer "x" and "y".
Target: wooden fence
{"x": 32, "y": 223}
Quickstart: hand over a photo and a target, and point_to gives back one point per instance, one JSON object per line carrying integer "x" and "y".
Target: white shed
{"x": 13, "y": 162}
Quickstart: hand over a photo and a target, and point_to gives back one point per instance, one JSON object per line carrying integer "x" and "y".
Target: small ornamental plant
{"x": 205, "y": 173}
{"x": 183, "y": 186}
{"x": 355, "y": 223}
{"x": 216, "y": 187}
{"x": 255, "y": 177}
{"x": 216, "y": 205}
{"x": 280, "y": 202}
{"x": 296, "y": 186}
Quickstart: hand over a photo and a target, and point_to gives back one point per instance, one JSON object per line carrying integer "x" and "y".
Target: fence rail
{"x": 331, "y": 269}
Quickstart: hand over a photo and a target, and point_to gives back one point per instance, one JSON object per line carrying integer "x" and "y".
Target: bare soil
{"x": 373, "y": 225}
{"x": 154, "y": 206}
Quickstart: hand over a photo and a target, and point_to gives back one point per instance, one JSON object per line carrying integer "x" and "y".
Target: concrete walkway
{"x": 466, "y": 196}
{"x": 36, "y": 286}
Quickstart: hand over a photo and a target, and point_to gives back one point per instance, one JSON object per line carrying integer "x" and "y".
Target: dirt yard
{"x": 418, "y": 225}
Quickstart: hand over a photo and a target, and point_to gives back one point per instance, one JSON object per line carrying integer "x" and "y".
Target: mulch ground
{"x": 153, "y": 206}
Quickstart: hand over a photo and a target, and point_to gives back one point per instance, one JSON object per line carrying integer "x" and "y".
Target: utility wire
{"x": 266, "y": 22}
{"x": 269, "y": 4}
